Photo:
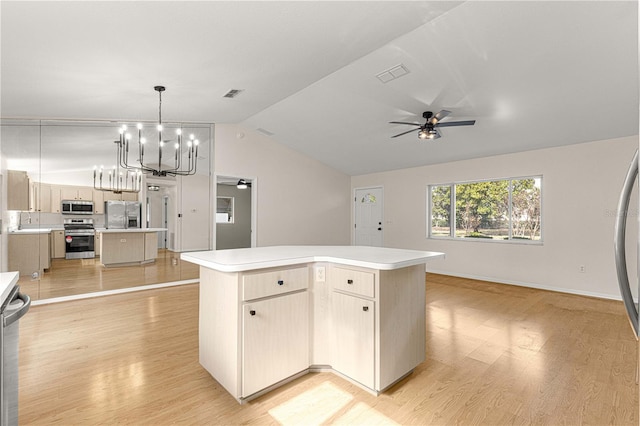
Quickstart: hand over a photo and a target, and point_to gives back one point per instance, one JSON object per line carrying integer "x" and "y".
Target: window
{"x": 224, "y": 210}
{"x": 508, "y": 209}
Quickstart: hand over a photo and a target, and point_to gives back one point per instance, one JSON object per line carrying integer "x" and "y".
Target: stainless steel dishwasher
{"x": 14, "y": 308}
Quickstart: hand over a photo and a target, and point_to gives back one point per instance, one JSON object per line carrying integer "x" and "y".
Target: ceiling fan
{"x": 429, "y": 130}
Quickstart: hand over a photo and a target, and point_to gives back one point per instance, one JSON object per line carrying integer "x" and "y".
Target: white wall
{"x": 300, "y": 200}
{"x": 581, "y": 185}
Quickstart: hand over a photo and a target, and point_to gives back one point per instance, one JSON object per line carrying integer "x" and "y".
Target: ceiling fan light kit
{"x": 429, "y": 130}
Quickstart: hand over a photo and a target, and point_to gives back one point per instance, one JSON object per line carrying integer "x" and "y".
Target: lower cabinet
{"x": 275, "y": 340}
{"x": 353, "y": 337}
{"x": 58, "y": 245}
{"x": 260, "y": 327}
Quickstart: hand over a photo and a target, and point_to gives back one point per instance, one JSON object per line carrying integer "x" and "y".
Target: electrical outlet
{"x": 320, "y": 274}
{"x": 582, "y": 269}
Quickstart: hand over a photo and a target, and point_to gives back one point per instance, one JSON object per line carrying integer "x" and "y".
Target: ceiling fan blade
{"x": 404, "y": 133}
{"x": 456, "y": 123}
{"x": 404, "y": 122}
{"x": 439, "y": 116}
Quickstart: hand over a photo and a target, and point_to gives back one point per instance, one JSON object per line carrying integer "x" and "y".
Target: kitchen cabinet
{"x": 96, "y": 243}
{"x": 40, "y": 197}
{"x": 123, "y": 196}
{"x": 353, "y": 347}
{"x": 56, "y": 199}
{"x": 58, "y": 246}
{"x": 76, "y": 193}
{"x": 275, "y": 340}
{"x": 98, "y": 202}
{"x": 17, "y": 190}
{"x": 150, "y": 245}
{"x": 365, "y": 315}
{"x": 257, "y": 334}
{"x": 29, "y": 253}
{"x": 119, "y": 247}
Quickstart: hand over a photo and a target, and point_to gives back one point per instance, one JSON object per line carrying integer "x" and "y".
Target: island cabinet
{"x": 257, "y": 334}
{"x": 378, "y": 326}
{"x": 269, "y": 315}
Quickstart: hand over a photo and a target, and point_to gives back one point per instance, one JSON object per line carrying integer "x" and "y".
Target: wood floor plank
{"x": 496, "y": 355}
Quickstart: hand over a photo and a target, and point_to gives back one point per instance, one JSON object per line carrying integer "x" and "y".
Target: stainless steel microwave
{"x": 77, "y": 207}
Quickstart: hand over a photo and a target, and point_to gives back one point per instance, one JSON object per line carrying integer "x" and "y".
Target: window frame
{"x": 452, "y": 213}
{"x": 231, "y": 212}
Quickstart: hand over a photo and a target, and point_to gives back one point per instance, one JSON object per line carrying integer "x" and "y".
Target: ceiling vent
{"x": 233, "y": 93}
{"x": 393, "y": 73}
{"x": 265, "y": 132}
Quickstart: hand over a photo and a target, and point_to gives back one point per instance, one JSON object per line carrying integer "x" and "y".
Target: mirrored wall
{"x": 77, "y": 219}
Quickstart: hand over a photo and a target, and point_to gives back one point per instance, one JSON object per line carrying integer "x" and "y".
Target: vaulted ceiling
{"x": 533, "y": 74}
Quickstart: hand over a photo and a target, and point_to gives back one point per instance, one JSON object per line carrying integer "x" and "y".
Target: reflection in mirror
{"x": 235, "y": 215}
{"x": 44, "y": 163}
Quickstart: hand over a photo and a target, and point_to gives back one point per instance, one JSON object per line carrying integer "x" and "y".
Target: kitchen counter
{"x": 238, "y": 260}
{"x": 7, "y": 281}
{"x": 132, "y": 246}
{"x": 31, "y": 231}
{"x": 129, "y": 230}
{"x": 268, "y": 315}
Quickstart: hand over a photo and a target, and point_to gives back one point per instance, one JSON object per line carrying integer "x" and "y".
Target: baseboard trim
{"x": 111, "y": 292}
{"x": 527, "y": 284}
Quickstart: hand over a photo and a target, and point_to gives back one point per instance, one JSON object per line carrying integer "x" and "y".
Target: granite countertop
{"x": 237, "y": 260}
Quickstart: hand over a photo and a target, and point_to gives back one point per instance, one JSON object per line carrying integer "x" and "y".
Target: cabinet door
{"x": 56, "y": 199}
{"x": 17, "y": 190}
{"x": 353, "y": 331}
{"x": 85, "y": 193}
{"x": 96, "y": 243}
{"x": 45, "y": 198}
{"x": 98, "y": 201}
{"x": 59, "y": 247}
{"x": 275, "y": 340}
{"x": 129, "y": 196}
{"x": 68, "y": 193}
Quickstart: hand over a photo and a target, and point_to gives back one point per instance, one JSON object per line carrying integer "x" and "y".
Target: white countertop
{"x": 128, "y": 230}
{"x": 31, "y": 231}
{"x": 7, "y": 281}
{"x": 237, "y": 260}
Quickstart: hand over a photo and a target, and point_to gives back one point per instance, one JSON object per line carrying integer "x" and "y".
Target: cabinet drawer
{"x": 353, "y": 281}
{"x": 271, "y": 283}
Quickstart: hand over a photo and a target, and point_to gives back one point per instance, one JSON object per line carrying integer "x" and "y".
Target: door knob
{"x": 365, "y": 308}
{"x": 252, "y": 312}
{"x": 379, "y": 229}
{"x": 280, "y": 282}
{"x": 349, "y": 281}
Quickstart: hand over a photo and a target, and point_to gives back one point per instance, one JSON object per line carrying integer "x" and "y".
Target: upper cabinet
{"x": 76, "y": 193}
{"x": 41, "y": 197}
{"x": 17, "y": 190}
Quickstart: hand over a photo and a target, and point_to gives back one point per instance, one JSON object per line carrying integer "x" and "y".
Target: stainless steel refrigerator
{"x": 122, "y": 214}
{"x": 626, "y": 289}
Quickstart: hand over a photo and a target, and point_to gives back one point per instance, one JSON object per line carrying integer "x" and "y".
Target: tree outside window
{"x": 508, "y": 209}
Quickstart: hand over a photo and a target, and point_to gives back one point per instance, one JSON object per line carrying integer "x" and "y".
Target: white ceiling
{"x": 533, "y": 74}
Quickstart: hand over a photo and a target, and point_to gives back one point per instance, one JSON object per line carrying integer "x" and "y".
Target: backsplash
{"x": 29, "y": 220}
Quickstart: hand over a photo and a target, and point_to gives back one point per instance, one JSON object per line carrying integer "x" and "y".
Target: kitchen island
{"x": 132, "y": 246}
{"x": 268, "y": 315}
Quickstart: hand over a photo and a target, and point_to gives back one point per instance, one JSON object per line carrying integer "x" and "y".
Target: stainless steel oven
{"x": 79, "y": 237}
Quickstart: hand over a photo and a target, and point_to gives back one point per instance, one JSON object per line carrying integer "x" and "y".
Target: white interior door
{"x": 368, "y": 217}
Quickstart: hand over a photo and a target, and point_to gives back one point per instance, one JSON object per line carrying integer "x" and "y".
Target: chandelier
{"x": 179, "y": 167}
{"x": 119, "y": 181}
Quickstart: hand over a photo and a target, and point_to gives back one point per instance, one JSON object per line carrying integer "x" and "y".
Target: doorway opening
{"x": 235, "y": 212}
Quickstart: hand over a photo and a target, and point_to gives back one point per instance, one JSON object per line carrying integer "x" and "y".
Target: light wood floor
{"x": 67, "y": 277}
{"x": 496, "y": 355}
